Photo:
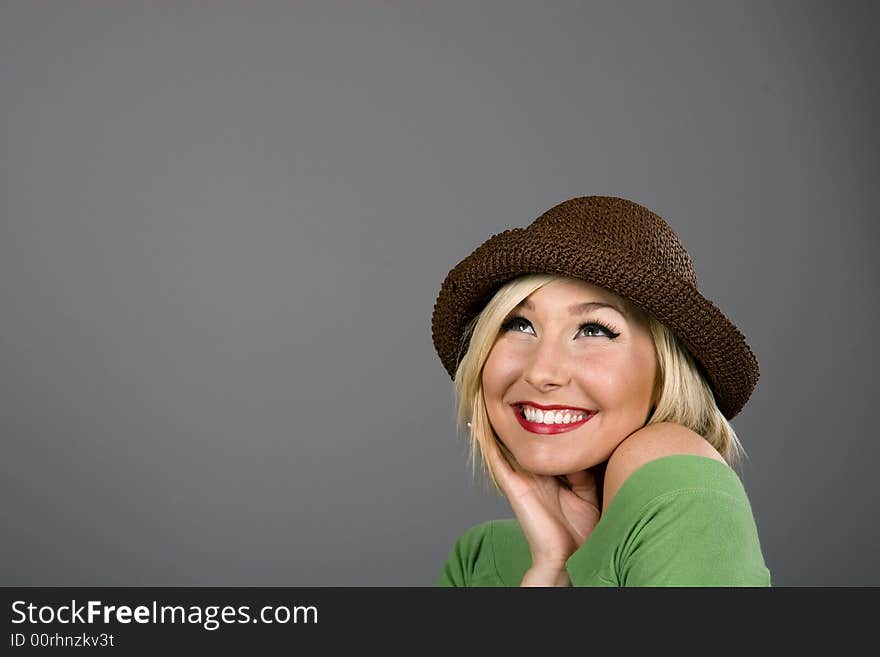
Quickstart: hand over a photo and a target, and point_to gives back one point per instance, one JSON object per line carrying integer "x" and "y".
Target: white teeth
{"x": 551, "y": 417}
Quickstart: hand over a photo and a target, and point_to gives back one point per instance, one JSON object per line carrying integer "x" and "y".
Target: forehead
{"x": 578, "y": 296}
{"x": 575, "y": 290}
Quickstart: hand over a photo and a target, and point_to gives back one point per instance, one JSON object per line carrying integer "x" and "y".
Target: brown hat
{"x": 618, "y": 245}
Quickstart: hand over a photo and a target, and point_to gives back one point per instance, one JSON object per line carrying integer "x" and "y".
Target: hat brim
{"x": 711, "y": 338}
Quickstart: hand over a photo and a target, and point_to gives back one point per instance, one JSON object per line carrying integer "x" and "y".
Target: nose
{"x": 548, "y": 367}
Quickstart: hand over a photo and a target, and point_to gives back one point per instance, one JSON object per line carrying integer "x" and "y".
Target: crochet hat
{"x": 618, "y": 245}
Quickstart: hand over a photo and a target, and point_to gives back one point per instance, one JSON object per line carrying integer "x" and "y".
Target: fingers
{"x": 583, "y": 484}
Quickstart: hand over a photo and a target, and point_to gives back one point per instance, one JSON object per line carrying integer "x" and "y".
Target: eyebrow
{"x": 578, "y": 308}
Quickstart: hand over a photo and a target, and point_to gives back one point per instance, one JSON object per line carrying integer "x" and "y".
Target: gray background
{"x": 224, "y": 226}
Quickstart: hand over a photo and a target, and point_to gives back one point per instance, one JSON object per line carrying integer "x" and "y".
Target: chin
{"x": 549, "y": 466}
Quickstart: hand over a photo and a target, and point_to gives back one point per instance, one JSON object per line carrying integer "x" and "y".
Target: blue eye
{"x": 516, "y": 321}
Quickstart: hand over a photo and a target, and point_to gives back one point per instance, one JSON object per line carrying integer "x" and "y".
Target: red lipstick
{"x": 549, "y": 429}
{"x": 551, "y": 407}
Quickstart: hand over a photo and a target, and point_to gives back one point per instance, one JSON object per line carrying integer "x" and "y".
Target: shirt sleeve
{"x": 464, "y": 562}
{"x": 680, "y": 520}
{"x": 695, "y": 537}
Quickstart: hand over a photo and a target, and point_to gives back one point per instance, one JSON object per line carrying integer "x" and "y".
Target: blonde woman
{"x": 597, "y": 385}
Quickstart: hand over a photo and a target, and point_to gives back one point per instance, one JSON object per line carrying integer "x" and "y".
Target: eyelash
{"x": 511, "y": 322}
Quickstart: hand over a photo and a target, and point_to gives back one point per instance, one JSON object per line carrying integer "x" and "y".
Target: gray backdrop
{"x": 224, "y": 226}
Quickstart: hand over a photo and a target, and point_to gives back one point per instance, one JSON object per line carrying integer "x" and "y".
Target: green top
{"x": 680, "y": 520}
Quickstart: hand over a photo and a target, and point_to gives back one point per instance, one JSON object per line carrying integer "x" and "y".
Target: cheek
{"x": 638, "y": 376}
{"x": 602, "y": 371}
{"x": 611, "y": 378}
{"x": 498, "y": 369}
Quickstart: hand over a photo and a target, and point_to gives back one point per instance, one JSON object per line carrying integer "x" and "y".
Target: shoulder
{"x": 486, "y": 536}
{"x": 648, "y": 444}
{"x": 491, "y": 553}
{"x": 476, "y": 542}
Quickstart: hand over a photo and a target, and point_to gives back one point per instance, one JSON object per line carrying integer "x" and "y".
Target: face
{"x": 593, "y": 359}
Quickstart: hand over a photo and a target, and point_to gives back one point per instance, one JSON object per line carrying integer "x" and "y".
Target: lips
{"x": 551, "y": 407}
{"x": 549, "y": 429}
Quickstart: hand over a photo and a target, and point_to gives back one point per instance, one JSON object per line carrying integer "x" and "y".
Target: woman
{"x": 598, "y": 383}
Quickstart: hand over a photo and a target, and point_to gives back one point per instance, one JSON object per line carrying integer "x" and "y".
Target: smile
{"x": 548, "y": 428}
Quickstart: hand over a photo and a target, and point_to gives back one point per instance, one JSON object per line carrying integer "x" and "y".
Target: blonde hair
{"x": 682, "y": 392}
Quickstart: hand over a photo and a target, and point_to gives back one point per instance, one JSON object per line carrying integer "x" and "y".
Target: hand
{"x": 556, "y": 521}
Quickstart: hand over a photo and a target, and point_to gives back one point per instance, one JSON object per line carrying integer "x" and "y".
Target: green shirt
{"x": 680, "y": 520}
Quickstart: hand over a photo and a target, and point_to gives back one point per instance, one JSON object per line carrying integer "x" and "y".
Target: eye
{"x": 516, "y": 322}
{"x": 611, "y": 334}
